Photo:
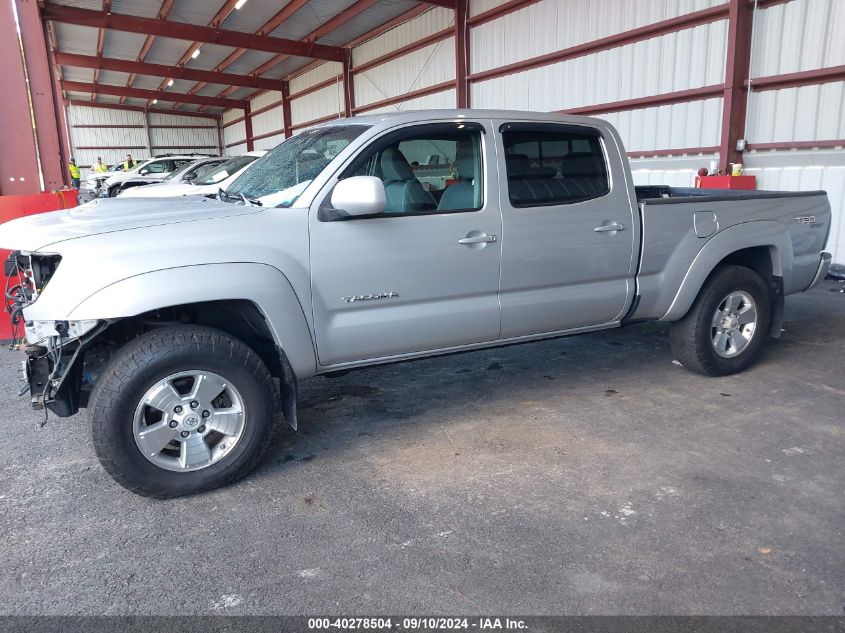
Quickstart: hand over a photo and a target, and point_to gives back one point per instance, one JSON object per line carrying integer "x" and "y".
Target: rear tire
{"x": 724, "y": 331}
{"x": 181, "y": 410}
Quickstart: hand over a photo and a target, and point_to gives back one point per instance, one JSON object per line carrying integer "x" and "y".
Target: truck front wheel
{"x": 182, "y": 410}
{"x": 724, "y": 331}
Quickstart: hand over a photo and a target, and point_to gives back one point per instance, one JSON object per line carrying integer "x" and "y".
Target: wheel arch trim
{"x": 263, "y": 285}
{"x": 770, "y": 234}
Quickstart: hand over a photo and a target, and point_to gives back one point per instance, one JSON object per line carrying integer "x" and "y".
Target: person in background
{"x": 129, "y": 163}
{"x": 75, "y": 176}
{"x": 100, "y": 166}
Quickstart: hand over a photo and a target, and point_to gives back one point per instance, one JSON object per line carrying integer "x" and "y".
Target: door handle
{"x": 477, "y": 239}
{"x": 612, "y": 226}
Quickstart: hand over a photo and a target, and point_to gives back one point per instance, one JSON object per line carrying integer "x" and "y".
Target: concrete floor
{"x": 583, "y": 475}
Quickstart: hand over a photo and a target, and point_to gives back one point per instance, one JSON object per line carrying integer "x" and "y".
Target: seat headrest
{"x": 465, "y": 159}
{"x": 394, "y": 165}
{"x": 581, "y": 164}
{"x": 519, "y": 166}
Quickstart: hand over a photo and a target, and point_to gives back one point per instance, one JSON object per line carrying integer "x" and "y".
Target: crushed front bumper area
{"x": 53, "y": 371}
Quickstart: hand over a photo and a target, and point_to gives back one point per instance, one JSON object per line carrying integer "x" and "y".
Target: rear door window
{"x": 551, "y": 164}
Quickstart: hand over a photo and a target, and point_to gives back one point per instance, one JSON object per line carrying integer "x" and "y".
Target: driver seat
{"x": 403, "y": 192}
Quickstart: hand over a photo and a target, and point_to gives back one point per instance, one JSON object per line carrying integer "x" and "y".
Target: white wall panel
{"x": 428, "y": 66}
{"x": 636, "y": 70}
{"x": 268, "y": 121}
{"x": 263, "y": 100}
{"x": 480, "y": 6}
{"x": 234, "y": 134}
{"x": 323, "y": 102}
{"x": 675, "y": 171}
{"x": 182, "y": 137}
{"x": 406, "y": 33}
{"x": 552, "y": 25}
{"x": 436, "y": 101}
{"x": 798, "y": 35}
{"x": 156, "y": 118}
{"x": 676, "y": 126}
{"x": 231, "y": 115}
{"x": 235, "y": 150}
{"x": 269, "y": 142}
{"x": 323, "y": 72}
{"x": 84, "y": 115}
{"x": 805, "y": 113}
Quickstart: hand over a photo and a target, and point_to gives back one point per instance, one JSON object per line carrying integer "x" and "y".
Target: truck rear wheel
{"x": 182, "y": 410}
{"x": 724, "y": 331}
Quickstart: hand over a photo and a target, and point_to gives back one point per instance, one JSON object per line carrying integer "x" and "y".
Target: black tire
{"x": 148, "y": 359}
{"x": 691, "y": 337}
{"x": 114, "y": 190}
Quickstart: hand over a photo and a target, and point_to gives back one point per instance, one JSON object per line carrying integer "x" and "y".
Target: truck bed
{"x": 664, "y": 194}
{"x": 678, "y": 222}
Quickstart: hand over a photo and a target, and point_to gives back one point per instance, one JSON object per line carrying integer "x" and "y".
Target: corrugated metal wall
{"x": 111, "y": 134}
{"x": 416, "y": 70}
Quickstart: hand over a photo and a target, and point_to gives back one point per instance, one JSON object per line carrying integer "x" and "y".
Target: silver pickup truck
{"x": 185, "y": 324}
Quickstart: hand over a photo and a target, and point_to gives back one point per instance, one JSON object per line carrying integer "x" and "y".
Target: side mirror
{"x": 359, "y": 195}
{"x": 190, "y": 176}
{"x": 144, "y": 172}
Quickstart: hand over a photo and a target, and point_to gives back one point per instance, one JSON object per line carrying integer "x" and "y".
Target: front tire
{"x": 724, "y": 331}
{"x": 182, "y": 410}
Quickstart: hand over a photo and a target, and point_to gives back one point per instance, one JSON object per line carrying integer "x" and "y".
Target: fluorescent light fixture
{"x": 155, "y": 101}
{"x": 195, "y": 54}
{"x": 169, "y": 83}
{"x": 239, "y": 4}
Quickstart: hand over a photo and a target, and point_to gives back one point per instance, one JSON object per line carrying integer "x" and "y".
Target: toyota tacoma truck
{"x": 184, "y": 325}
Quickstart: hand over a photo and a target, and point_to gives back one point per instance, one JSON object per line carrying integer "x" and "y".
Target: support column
{"x": 286, "y": 108}
{"x": 148, "y": 141}
{"x": 219, "y": 126}
{"x": 461, "y": 54}
{"x": 248, "y": 126}
{"x": 737, "y": 70}
{"x": 348, "y": 84}
{"x": 41, "y": 92}
{"x": 18, "y": 159}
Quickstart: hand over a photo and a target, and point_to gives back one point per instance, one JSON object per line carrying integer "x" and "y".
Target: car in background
{"x": 155, "y": 168}
{"x": 208, "y": 183}
{"x": 185, "y": 174}
{"x": 95, "y": 179}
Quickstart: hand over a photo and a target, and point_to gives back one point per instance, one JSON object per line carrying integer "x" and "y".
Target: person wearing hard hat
{"x": 75, "y": 176}
{"x": 100, "y": 166}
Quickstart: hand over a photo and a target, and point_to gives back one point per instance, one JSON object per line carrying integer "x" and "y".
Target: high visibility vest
{"x": 100, "y": 167}
{"x": 127, "y": 165}
{"x": 74, "y": 171}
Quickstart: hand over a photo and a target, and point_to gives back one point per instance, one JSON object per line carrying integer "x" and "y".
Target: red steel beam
{"x": 286, "y": 116}
{"x": 248, "y": 127}
{"x": 499, "y": 11}
{"x": 461, "y": 54}
{"x": 798, "y": 145}
{"x": 131, "y": 108}
{"x": 18, "y": 158}
{"x": 689, "y": 20}
{"x": 163, "y": 12}
{"x": 348, "y": 85}
{"x": 139, "y": 93}
{"x": 271, "y": 25}
{"x": 217, "y": 19}
{"x": 735, "y": 105}
{"x": 321, "y": 31}
{"x": 659, "y": 153}
{"x": 668, "y": 98}
{"x": 795, "y": 80}
{"x": 160, "y": 70}
{"x": 190, "y": 32}
{"x": 446, "y": 4}
{"x": 101, "y": 43}
{"x": 41, "y": 87}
